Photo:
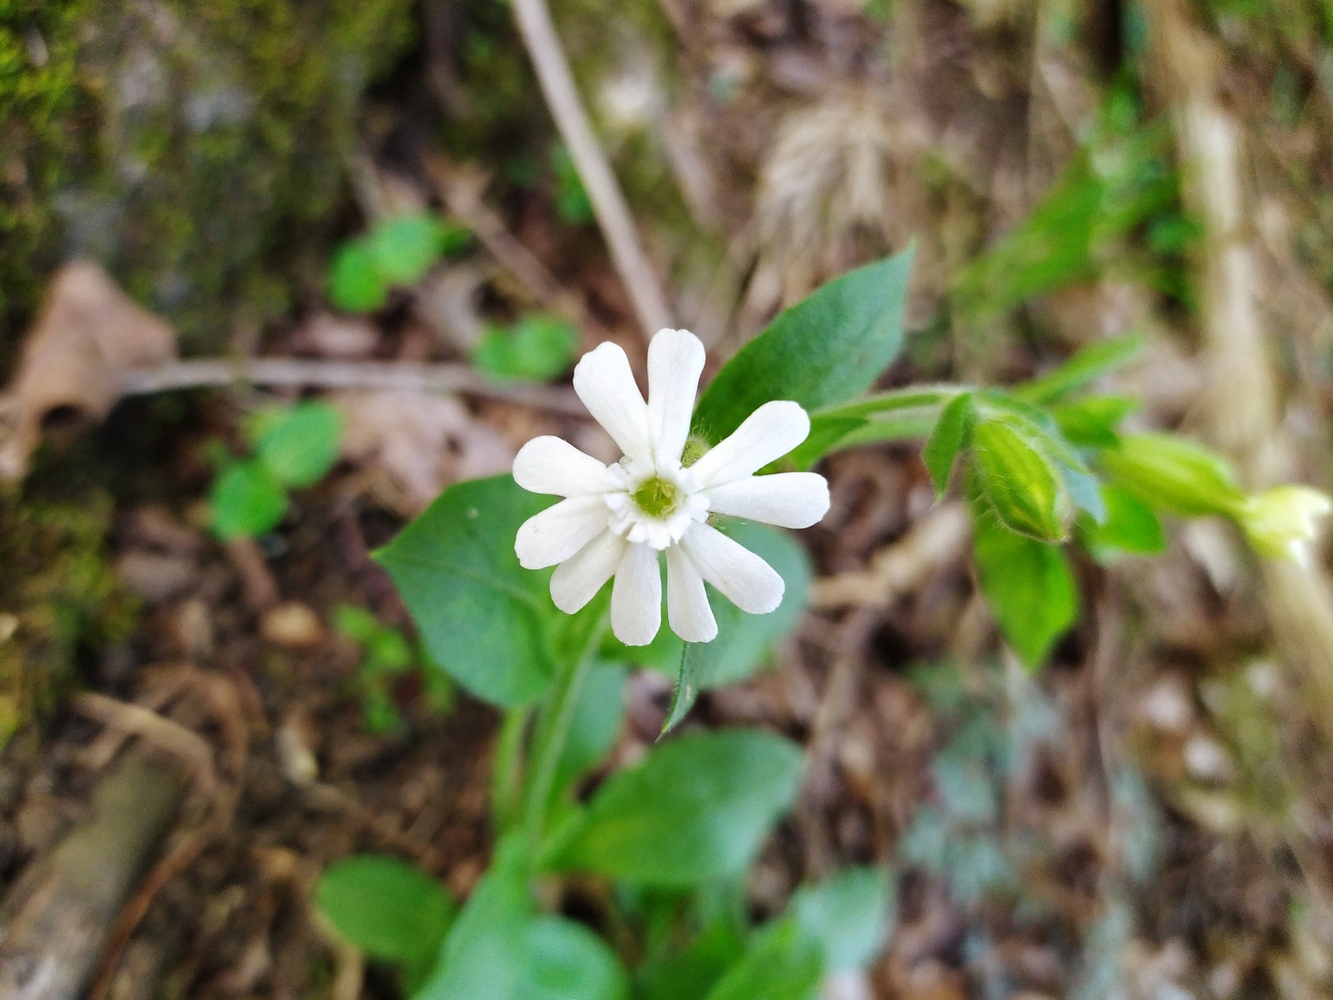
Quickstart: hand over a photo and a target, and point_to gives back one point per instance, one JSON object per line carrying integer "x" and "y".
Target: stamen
{"x": 657, "y": 497}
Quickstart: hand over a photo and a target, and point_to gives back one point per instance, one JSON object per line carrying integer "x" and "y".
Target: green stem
{"x": 553, "y": 724}
{"x": 507, "y": 779}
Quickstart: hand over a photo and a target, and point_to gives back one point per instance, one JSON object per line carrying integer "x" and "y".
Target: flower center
{"x": 657, "y": 497}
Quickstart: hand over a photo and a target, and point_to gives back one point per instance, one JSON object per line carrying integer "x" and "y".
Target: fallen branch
{"x": 608, "y": 204}
{"x": 57, "y": 932}
{"x": 400, "y": 376}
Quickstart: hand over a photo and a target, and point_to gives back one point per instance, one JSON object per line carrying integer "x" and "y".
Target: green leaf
{"x": 570, "y": 962}
{"x": 1023, "y": 488}
{"x": 357, "y": 623}
{"x": 246, "y": 500}
{"x": 498, "y": 949}
{"x": 1130, "y": 528}
{"x": 1081, "y": 370}
{"x": 783, "y": 964}
{"x": 355, "y": 284}
{"x": 947, "y": 439}
{"x": 1092, "y": 422}
{"x": 1172, "y": 474}
{"x": 453, "y": 237}
{"x": 743, "y": 641}
{"x": 849, "y": 914}
{"x": 694, "y": 809}
{"x": 302, "y": 446}
{"x": 482, "y": 617}
{"x": 485, "y": 955}
{"x": 824, "y": 350}
{"x": 387, "y": 908}
{"x": 404, "y": 248}
{"x": 538, "y": 349}
{"x": 1029, "y": 587}
{"x": 689, "y": 973}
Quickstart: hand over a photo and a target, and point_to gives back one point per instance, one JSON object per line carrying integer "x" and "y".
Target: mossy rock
{"x": 195, "y": 147}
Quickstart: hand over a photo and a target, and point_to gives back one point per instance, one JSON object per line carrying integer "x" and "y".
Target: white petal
{"x": 606, "y": 385}
{"x": 766, "y": 435}
{"x": 741, "y": 576}
{"x": 549, "y": 465}
{"x": 576, "y": 581}
{"x": 636, "y": 597}
{"x": 558, "y": 532}
{"x": 675, "y": 362}
{"x": 688, "y": 610}
{"x": 787, "y": 499}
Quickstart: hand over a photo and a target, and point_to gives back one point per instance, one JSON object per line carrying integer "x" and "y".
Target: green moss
{"x": 196, "y": 147}
{"x": 58, "y": 595}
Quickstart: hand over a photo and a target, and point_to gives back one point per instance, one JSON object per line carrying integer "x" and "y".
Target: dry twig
{"x": 936, "y": 540}
{"x": 399, "y": 376}
{"x": 608, "y": 203}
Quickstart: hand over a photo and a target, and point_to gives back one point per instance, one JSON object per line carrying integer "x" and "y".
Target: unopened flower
{"x": 616, "y": 520}
{"x": 1282, "y": 522}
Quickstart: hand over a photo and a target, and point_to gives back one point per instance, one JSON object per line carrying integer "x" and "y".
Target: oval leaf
{"x": 1029, "y": 587}
{"x": 484, "y": 619}
{"x": 246, "y": 501}
{"x": 694, "y": 809}
{"x": 824, "y": 350}
{"x": 301, "y": 446}
{"x": 355, "y": 284}
{"x": 385, "y": 907}
{"x": 404, "y": 248}
{"x": 849, "y": 914}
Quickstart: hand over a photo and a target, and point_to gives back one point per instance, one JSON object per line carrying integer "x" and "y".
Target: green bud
{"x": 1175, "y": 475}
{"x": 1023, "y": 486}
{"x": 695, "y": 448}
{"x": 1281, "y": 523}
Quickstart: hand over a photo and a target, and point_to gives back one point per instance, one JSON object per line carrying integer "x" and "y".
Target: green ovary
{"x": 657, "y": 497}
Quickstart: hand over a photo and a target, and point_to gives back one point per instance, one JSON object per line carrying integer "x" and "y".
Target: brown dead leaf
{"x": 415, "y": 444}
{"x": 88, "y": 335}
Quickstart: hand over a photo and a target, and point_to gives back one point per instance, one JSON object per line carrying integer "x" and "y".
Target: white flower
{"x": 616, "y": 520}
{"x": 1282, "y": 523}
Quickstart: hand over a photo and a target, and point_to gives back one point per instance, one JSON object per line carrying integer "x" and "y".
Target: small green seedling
{"x": 292, "y": 447}
{"x": 387, "y": 657}
{"x": 395, "y": 253}
{"x": 537, "y": 348}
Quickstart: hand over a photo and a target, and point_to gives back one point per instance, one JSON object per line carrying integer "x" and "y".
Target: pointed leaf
{"x": 743, "y": 641}
{"x": 947, "y": 439}
{"x": 693, "y": 809}
{"x": 824, "y": 350}
{"x": 386, "y": 908}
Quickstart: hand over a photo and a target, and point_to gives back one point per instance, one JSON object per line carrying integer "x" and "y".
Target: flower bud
{"x": 1174, "y": 475}
{"x": 1022, "y": 484}
{"x": 1281, "y": 523}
